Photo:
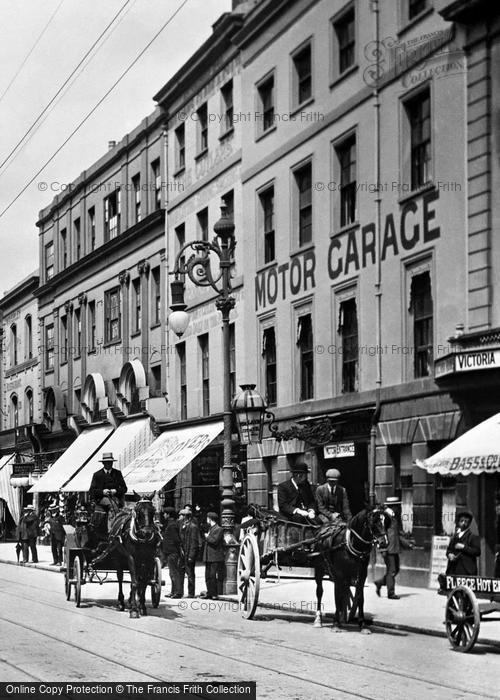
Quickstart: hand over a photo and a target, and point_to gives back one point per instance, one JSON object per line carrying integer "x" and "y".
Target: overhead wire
{"x": 96, "y": 106}
{"x": 54, "y": 97}
{"x": 26, "y": 58}
{"x": 27, "y": 138}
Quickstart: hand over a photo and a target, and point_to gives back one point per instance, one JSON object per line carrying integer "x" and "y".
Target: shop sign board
{"x": 439, "y": 560}
{"x": 339, "y": 449}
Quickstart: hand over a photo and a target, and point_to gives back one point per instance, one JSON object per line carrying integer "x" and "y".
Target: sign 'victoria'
{"x": 350, "y": 251}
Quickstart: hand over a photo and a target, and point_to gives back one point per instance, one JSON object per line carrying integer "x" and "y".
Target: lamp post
{"x": 198, "y": 267}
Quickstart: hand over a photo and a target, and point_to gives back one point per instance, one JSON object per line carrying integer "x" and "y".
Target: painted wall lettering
{"x": 357, "y": 248}
{"x": 279, "y": 281}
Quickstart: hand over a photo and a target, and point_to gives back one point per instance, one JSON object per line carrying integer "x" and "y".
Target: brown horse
{"x": 343, "y": 553}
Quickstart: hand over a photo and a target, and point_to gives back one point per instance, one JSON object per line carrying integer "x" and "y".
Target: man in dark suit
{"x": 57, "y": 534}
{"x": 396, "y": 542}
{"x": 190, "y": 545}
{"x": 214, "y": 557}
{"x": 464, "y": 547}
{"x": 331, "y": 499}
{"x": 171, "y": 548}
{"x": 107, "y": 489}
{"x": 296, "y": 498}
{"x": 27, "y": 533}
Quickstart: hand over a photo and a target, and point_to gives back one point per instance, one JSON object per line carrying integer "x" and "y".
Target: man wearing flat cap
{"x": 296, "y": 498}
{"x": 331, "y": 499}
{"x": 464, "y": 547}
{"x": 107, "y": 489}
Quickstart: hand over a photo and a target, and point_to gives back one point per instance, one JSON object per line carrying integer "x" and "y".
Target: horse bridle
{"x": 134, "y": 531}
{"x": 359, "y": 554}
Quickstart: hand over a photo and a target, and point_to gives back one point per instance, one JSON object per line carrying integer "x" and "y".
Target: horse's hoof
{"x": 134, "y": 614}
{"x": 336, "y": 629}
{"x": 365, "y": 630}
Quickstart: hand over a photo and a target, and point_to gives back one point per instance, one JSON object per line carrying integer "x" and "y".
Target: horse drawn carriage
{"x": 337, "y": 550}
{"x": 131, "y": 548}
{"x": 470, "y": 599}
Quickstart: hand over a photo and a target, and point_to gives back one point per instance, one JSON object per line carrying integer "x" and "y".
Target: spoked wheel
{"x": 156, "y": 585}
{"x": 248, "y": 576}
{"x": 77, "y": 573}
{"x": 462, "y": 619}
{"x": 67, "y": 584}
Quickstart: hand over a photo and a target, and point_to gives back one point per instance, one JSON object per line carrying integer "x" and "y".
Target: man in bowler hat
{"x": 107, "y": 489}
{"x": 296, "y": 498}
{"x": 57, "y": 534}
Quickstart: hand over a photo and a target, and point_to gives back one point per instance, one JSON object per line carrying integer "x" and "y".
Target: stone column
{"x": 82, "y": 301}
{"x": 124, "y": 279}
{"x": 143, "y": 270}
{"x": 68, "y": 308}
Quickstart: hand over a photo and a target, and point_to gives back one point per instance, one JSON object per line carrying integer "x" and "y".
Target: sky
{"x": 73, "y": 27}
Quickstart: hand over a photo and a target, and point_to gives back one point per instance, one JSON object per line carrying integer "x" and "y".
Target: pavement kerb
{"x": 418, "y": 629}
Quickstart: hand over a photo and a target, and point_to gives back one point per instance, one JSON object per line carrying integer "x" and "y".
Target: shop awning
{"x": 129, "y": 440}
{"x": 475, "y": 452}
{"x": 77, "y": 454}
{"x": 7, "y": 491}
{"x": 168, "y": 455}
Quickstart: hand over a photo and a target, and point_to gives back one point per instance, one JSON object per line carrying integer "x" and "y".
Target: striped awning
{"x": 475, "y": 452}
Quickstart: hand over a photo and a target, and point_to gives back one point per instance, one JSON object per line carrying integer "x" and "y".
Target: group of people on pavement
{"x": 183, "y": 540}
{"x": 181, "y": 545}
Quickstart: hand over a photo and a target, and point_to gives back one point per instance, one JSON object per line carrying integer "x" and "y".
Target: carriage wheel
{"x": 67, "y": 584}
{"x": 462, "y": 619}
{"x": 156, "y": 585}
{"x": 77, "y": 573}
{"x": 248, "y": 576}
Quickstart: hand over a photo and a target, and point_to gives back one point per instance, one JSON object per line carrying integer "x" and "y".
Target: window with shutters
{"x": 348, "y": 330}
{"x": 306, "y": 357}
{"x": 270, "y": 366}
{"x": 205, "y": 373}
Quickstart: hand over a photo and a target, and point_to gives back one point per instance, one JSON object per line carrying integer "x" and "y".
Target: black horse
{"x": 343, "y": 553}
{"x": 132, "y": 544}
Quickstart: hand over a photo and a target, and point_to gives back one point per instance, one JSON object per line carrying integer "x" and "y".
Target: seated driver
{"x": 107, "y": 489}
{"x": 296, "y": 498}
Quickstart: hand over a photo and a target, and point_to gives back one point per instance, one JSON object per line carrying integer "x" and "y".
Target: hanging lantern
{"x": 249, "y": 409}
{"x": 179, "y": 318}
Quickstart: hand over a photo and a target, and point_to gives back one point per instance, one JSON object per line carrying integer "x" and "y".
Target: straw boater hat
{"x": 392, "y": 500}
{"x": 107, "y": 457}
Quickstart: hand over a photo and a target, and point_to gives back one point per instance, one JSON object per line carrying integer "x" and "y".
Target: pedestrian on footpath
{"x": 464, "y": 547}
{"x": 396, "y": 542}
{"x": 171, "y": 548}
{"x": 214, "y": 557}
{"x": 27, "y": 532}
{"x": 57, "y": 535}
{"x": 190, "y": 544}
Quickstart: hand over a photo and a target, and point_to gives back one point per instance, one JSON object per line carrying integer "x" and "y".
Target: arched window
{"x": 14, "y": 411}
{"x": 131, "y": 384}
{"x": 28, "y": 337}
{"x": 13, "y": 344}
{"x": 28, "y": 405}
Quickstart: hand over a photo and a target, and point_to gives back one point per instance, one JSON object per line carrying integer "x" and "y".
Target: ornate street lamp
{"x": 249, "y": 409}
{"x": 198, "y": 267}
